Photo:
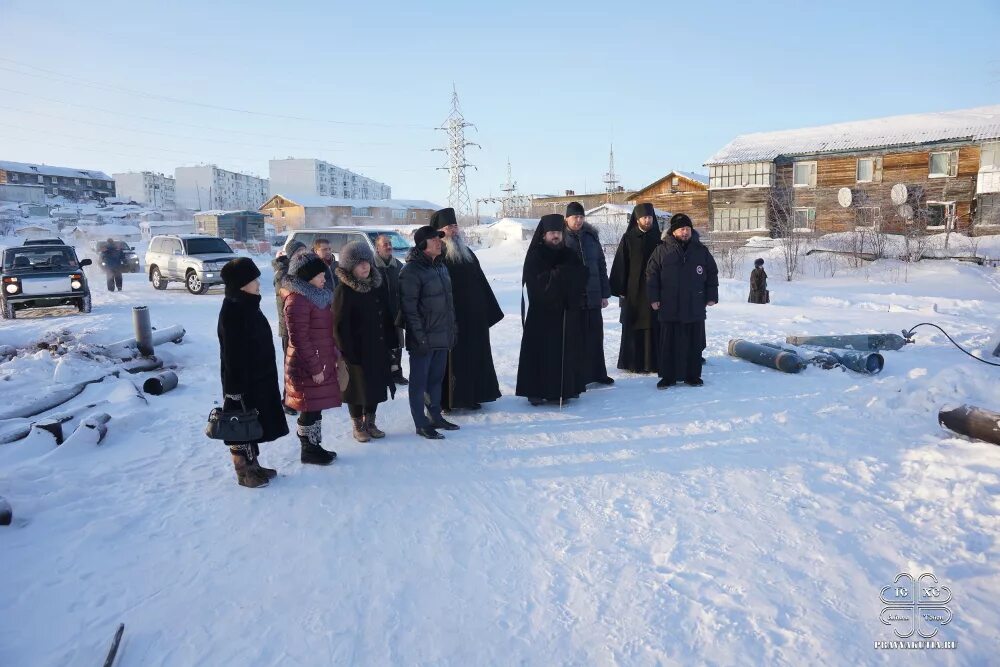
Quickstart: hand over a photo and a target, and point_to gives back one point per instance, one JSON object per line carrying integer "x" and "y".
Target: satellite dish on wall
{"x": 898, "y": 194}
{"x": 844, "y": 197}
{"x": 905, "y": 211}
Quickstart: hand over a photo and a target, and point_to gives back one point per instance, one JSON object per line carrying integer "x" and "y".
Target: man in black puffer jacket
{"x": 585, "y": 241}
{"x": 681, "y": 280}
{"x": 428, "y": 315}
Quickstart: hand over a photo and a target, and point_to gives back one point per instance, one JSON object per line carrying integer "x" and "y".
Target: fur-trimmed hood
{"x": 321, "y": 297}
{"x": 347, "y": 279}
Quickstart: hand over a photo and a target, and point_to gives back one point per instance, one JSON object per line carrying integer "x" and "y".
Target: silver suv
{"x": 194, "y": 259}
{"x": 341, "y": 236}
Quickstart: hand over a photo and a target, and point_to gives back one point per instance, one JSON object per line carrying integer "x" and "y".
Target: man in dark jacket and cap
{"x": 758, "y": 283}
{"x": 583, "y": 239}
{"x": 554, "y": 277}
{"x": 428, "y": 315}
{"x": 681, "y": 279}
{"x": 389, "y": 267}
{"x": 640, "y": 329}
{"x": 470, "y": 378}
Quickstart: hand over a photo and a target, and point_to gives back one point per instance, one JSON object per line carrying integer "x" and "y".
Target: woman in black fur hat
{"x": 249, "y": 371}
{"x": 365, "y": 335}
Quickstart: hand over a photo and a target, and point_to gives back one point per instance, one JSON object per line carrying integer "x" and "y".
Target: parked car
{"x": 194, "y": 259}
{"x": 41, "y": 276}
{"x": 131, "y": 256}
{"x": 50, "y": 241}
{"x": 340, "y": 236}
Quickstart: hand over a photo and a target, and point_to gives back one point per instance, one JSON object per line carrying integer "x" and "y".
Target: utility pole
{"x": 454, "y": 125}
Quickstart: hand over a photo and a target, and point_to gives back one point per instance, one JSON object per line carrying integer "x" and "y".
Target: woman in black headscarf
{"x": 640, "y": 330}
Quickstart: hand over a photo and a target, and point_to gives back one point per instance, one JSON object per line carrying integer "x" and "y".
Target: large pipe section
{"x": 973, "y": 422}
{"x": 872, "y": 342}
{"x": 786, "y": 362}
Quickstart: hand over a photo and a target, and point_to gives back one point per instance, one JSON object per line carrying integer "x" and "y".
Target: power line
{"x": 121, "y": 89}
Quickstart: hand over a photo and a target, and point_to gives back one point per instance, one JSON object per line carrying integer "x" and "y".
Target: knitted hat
{"x": 443, "y": 218}
{"x": 292, "y": 246}
{"x": 239, "y": 272}
{"x": 426, "y": 232}
{"x": 678, "y": 220}
{"x": 353, "y": 254}
{"x": 574, "y": 208}
{"x": 759, "y": 261}
{"x": 311, "y": 268}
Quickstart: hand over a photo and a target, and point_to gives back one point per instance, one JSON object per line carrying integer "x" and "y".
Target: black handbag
{"x": 234, "y": 425}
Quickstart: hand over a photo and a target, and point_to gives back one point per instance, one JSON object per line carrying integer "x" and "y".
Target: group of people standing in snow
{"x": 343, "y": 325}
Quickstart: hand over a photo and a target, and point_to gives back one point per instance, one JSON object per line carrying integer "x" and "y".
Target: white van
{"x": 340, "y": 236}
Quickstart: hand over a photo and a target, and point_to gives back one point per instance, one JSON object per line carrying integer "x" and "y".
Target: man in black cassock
{"x": 682, "y": 279}
{"x": 470, "y": 378}
{"x": 585, "y": 241}
{"x": 555, "y": 278}
{"x": 640, "y": 329}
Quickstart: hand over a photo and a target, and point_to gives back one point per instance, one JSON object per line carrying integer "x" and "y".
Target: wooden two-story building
{"x": 934, "y": 171}
{"x": 678, "y": 192}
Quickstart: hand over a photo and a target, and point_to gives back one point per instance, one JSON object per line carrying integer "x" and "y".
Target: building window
{"x": 76, "y": 181}
{"x": 940, "y": 215}
{"x": 866, "y": 169}
{"x": 41, "y": 179}
{"x": 804, "y": 175}
{"x": 750, "y": 175}
{"x": 868, "y": 216}
{"x": 739, "y": 219}
{"x": 805, "y": 219}
{"x": 363, "y": 212}
{"x": 398, "y": 214}
{"x": 944, "y": 164}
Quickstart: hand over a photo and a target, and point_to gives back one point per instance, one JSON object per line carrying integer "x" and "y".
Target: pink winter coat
{"x": 311, "y": 349}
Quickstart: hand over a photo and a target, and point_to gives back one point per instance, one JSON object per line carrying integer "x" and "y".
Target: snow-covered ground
{"x": 752, "y": 521}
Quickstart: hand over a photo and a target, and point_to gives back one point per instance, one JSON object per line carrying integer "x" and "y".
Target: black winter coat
{"x": 390, "y": 283}
{"x": 758, "y": 286}
{"x": 587, "y": 244}
{"x": 549, "y": 365}
{"x": 248, "y": 366}
{"x": 683, "y": 277}
{"x": 426, "y": 306}
{"x": 364, "y": 334}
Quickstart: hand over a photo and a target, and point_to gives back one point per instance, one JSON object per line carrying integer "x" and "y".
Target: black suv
{"x": 40, "y": 276}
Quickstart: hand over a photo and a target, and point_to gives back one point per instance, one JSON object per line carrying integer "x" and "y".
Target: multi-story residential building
{"x": 933, "y": 171}
{"x": 316, "y": 178}
{"x": 75, "y": 184}
{"x": 146, "y": 187}
{"x": 209, "y": 187}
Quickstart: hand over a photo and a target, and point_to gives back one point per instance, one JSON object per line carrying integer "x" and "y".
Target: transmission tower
{"x": 611, "y": 178}
{"x": 454, "y": 125}
{"x": 512, "y": 205}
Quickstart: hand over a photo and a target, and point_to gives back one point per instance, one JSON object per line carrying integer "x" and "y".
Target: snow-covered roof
{"x": 167, "y": 223}
{"x": 322, "y": 202}
{"x": 218, "y": 212}
{"x": 978, "y": 124}
{"x": 701, "y": 178}
{"x": 621, "y": 208}
{"x": 46, "y": 170}
{"x": 105, "y": 231}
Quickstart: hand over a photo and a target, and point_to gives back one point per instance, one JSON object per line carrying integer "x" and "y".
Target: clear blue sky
{"x": 549, "y": 85}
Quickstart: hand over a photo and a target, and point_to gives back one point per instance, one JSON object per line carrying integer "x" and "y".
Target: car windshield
{"x": 207, "y": 246}
{"x": 40, "y": 258}
{"x": 397, "y": 240}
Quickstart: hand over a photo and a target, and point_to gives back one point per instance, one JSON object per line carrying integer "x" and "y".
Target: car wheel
{"x": 84, "y": 304}
{"x": 194, "y": 284}
{"x": 157, "y": 279}
{"x": 7, "y": 310}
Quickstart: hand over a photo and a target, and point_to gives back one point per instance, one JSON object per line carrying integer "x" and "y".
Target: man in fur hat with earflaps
{"x": 682, "y": 279}
{"x": 470, "y": 378}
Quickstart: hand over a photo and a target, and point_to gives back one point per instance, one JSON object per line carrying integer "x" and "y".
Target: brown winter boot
{"x": 246, "y": 473}
{"x": 269, "y": 473}
{"x": 373, "y": 430}
{"x": 360, "y": 433}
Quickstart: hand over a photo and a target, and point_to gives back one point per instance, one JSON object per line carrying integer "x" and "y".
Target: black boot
{"x": 536, "y": 401}
{"x": 429, "y": 433}
{"x": 694, "y": 382}
{"x": 310, "y": 437}
{"x": 444, "y": 424}
{"x": 665, "y": 384}
{"x": 398, "y": 379}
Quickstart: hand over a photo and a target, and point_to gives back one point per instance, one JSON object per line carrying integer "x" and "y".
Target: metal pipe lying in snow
{"x": 973, "y": 422}
{"x": 786, "y": 362}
